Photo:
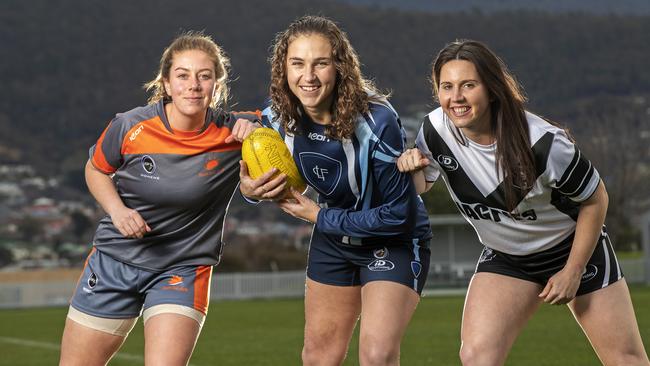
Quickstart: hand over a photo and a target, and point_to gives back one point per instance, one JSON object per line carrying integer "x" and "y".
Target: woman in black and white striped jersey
{"x": 537, "y": 204}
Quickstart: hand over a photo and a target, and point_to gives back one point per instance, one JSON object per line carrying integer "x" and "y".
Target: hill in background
{"x": 68, "y": 68}
{"x": 621, "y": 7}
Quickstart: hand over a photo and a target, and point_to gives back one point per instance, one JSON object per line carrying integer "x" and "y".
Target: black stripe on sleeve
{"x": 585, "y": 182}
{"x": 569, "y": 169}
{"x": 577, "y": 178}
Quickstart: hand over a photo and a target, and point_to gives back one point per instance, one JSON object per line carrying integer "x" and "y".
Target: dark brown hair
{"x": 507, "y": 118}
{"x": 351, "y": 92}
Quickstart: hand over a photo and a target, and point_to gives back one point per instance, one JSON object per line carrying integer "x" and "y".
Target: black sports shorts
{"x": 601, "y": 271}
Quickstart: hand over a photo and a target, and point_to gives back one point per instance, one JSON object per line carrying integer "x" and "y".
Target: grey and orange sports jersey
{"x": 181, "y": 184}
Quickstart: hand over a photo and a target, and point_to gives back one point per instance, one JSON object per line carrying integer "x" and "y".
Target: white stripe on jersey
{"x": 607, "y": 263}
{"x": 288, "y": 140}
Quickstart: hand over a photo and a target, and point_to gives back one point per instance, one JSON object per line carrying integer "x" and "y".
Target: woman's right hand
{"x": 412, "y": 160}
{"x": 129, "y": 222}
{"x": 266, "y": 187}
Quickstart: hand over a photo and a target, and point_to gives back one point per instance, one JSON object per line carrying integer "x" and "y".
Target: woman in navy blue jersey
{"x": 369, "y": 255}
{"x": 537, "y": 204}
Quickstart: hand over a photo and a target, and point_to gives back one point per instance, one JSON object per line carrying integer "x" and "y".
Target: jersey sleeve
{"x": 269, "y": 120}
{"x": 569, "y": 171}
{"x": 398, "y": 210}
{"x": 231, "y": 118}
{"x": 261, "y": 117}
{"x": 431, "y": 171}
{"x": 106, "y": 154}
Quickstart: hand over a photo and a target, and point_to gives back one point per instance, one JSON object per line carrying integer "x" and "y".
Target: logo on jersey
{"x": 447, "y": 162}
{"x": 321, "y": 172}
{"x": 590, "y": 272}
{"x": 314, "y": 136}
{"x": 380, "y": 253}
{"x": 416, "y": 268}
{"x": 148, "y": 164}
{"x": 381, "y": 265}
{"x": 135, "y": 133}
{"x": 210, "y": 167}
{"x": 479, "y": 211}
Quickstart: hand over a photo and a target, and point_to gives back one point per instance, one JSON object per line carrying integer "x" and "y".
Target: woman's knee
{"x": 627, "y": 358}
{"x": 377, "y": 353}
{"x": 323, "y": 352}
{"x": 479, "y": 353}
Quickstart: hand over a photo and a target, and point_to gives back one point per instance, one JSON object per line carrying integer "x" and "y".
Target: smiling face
{"x": 465, "y": 99}
{"x": 191, "y": 86}
{"x": 311, "y": 75}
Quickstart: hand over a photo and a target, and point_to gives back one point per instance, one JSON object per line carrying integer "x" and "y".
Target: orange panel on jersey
{"x": 151, "y": 137}
{"x": 99, "y": 159}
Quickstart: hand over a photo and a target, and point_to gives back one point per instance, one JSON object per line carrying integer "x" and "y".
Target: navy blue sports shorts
{"x": 337, "y": 264}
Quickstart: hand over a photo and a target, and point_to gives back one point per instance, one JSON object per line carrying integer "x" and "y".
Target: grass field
{"x": 270, "y": 333}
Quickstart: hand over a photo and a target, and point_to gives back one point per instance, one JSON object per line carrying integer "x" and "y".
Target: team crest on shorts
{"x": 380, "y": 253}
{"x": 91, "y": 282}
{"x": 487, "y": 255}
{"x": 590, "y": 272}
{"x": 416, "y": 268}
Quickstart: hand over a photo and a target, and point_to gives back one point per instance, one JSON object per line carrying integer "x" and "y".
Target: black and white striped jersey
{"x": 546, "y": 213}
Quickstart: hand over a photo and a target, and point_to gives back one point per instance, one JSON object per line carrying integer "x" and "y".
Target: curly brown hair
{"x": 351, "y": 92}
{"x": 191, "y": 40}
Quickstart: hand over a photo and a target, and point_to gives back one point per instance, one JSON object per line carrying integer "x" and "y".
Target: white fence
{"x": 232, "y": 286}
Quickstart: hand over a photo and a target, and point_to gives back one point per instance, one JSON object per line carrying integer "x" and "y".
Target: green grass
{"x": 270, "y": 333}
{"x": 621, "y": 255}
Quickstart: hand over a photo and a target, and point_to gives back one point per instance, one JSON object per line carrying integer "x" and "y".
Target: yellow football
{"x": 263, "y": 150}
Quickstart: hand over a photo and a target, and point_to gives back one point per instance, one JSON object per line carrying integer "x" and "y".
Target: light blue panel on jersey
{"x": 365, "y": 137}
{"x": 322, "y": 172}
{"x": 350, "y": 156}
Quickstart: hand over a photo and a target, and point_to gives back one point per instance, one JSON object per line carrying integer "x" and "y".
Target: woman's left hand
{"x": 300, "y": 206}
{"x": 241, "y": 130}
{"x": 562, "y": 287}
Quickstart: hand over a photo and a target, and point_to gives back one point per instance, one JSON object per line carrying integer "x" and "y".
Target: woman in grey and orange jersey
{"x": 164, "y": 173}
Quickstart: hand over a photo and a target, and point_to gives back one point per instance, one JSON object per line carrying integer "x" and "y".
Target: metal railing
{"x": 231, "y": 286}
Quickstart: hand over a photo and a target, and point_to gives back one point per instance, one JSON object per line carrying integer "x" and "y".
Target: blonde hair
{"x": 187, "y": 41}
{"x": 352, "y": 91}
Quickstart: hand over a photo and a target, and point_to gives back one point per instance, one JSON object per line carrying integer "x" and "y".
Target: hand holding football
{"x": 263, "y": 150}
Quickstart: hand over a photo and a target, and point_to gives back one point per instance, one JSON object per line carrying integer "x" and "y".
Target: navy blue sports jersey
{"x": 364, "y": 198}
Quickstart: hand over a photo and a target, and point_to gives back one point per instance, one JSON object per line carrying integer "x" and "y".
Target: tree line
{"x": 69, "y": 68}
